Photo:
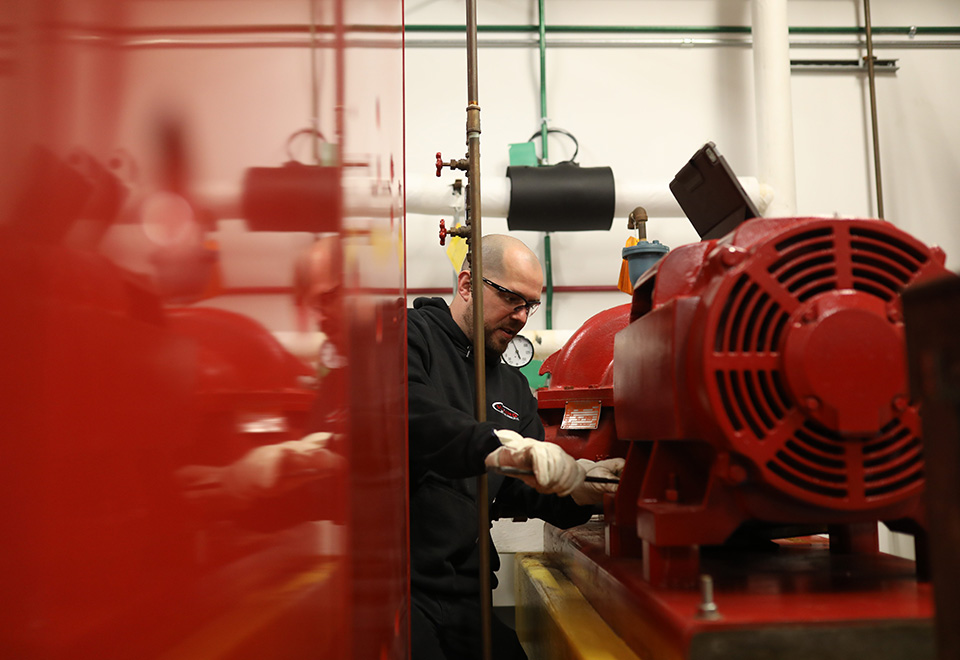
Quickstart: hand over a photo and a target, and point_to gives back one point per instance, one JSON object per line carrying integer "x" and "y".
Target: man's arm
{"x": 442, "y": 438}
{"x": 516, "y": 499}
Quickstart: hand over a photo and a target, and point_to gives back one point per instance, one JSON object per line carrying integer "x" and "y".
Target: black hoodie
{"x": 448, "y": 448}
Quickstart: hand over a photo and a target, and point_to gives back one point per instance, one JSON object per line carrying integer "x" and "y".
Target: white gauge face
{"x": 519, "y": 352}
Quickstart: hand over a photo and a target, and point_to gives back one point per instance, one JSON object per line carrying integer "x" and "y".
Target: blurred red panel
{"x": 191, "y": 468}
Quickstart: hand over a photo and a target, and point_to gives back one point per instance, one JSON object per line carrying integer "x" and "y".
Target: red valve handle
{"x": 439, "y": 167}
{"x": 443, "y": 233}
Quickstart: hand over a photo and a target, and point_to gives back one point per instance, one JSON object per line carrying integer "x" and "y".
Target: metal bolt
{"x": 732, "y": 256}
{"x": 810, "y": 315}
{"x": 811, "y": 403}
{"x": 900, "y": 403}
{"x": 707, "y": 608}
{"x": 894, "y": 313}
{"x": 737, "y": 474}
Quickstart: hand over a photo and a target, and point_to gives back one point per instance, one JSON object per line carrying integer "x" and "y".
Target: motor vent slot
{"x": 751, "y": 401}
{"x": 882, "y": 265}
{"x": 807, "y": 265}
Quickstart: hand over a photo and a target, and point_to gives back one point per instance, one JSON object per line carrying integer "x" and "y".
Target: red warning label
{"x": 581, "y": 415}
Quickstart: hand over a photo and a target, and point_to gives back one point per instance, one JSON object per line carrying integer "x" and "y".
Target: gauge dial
{"x": 519, "y": 352}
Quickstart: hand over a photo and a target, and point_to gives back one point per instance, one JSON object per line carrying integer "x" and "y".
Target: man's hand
{"x": 590, "y": 492}
{"x": 271, "y": 470}
{"x": 554, "y": 471}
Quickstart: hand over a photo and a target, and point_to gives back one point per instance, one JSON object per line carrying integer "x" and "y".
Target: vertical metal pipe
{"x": 479, "y": 353}
{"x": 873, "y": 108}
{"x": 314, "y": 86}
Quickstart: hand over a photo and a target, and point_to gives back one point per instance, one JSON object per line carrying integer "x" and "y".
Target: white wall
{"x": 644, "y": 111}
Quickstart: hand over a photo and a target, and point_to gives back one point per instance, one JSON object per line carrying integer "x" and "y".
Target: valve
{"x": 461, "y": 232}
{"x": 443, "y": 225}
{"x": 462, "y": 164}
{"x": 440, "y": 167}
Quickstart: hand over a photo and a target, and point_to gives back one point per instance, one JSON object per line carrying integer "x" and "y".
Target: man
{"x": 448, "y": 449}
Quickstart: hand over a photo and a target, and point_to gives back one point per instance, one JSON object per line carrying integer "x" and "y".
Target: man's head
{"x": 512, "y": 283}
{"x": 317, "y": 278}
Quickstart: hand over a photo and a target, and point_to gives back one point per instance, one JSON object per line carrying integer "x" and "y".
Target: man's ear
{"x": 464, "y": 285}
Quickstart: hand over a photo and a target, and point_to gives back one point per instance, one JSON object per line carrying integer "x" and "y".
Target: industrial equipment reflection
{"x": 181, "y": 478}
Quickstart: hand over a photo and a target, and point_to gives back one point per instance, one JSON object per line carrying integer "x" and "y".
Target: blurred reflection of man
{"x": 317, "y": 278}
{"x": 318, "y": 291}
{"x": 298, "y": 470}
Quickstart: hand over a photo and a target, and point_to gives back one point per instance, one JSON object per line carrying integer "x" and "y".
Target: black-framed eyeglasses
{"x": 514, "y": 299}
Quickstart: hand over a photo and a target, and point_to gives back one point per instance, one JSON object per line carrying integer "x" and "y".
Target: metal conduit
{"x": 871, "y": 75}
{"x": 299, "y": 41}
{"x": 856, "y": 32}
{"x": 681, "y": 43}
{"x": 692, "y": 29}
{"x": 325, "y": 41}
{"x": 287, "y": 36}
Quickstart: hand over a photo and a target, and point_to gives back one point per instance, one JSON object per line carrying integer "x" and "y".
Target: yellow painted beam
{"x": 263, "y": 613}
{"x": 555, "y": 621}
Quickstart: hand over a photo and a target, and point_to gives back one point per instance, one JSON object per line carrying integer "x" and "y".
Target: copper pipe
{"x": 479, "y": 361}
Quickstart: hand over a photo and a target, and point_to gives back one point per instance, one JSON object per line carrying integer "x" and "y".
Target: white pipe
{"x": 771, "y": 70}
{"x": 429, "y": 196}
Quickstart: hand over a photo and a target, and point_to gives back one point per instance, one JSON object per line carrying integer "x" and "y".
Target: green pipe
{"x": 548, "y": 267}
{"x": 544, "y": 133}
{"x": 681, "y": 29}
{"x": 543, "y": 88}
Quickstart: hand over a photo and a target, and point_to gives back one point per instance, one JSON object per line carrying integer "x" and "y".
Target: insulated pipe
{"x": 771, "y": 70}
{"x": 427, "y": 196}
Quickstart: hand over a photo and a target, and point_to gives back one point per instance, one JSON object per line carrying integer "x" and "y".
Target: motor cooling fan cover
{"x": 803, "y": 359}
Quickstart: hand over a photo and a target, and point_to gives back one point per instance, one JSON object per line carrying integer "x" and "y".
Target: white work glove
{"x": 270, "y": 470}
{"x": 590, "y": 492}
{"x": 554, "y": 470}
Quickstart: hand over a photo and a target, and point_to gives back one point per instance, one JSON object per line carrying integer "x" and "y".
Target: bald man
{"x": 316, "y": 284}
{"x": 449, "y": 448}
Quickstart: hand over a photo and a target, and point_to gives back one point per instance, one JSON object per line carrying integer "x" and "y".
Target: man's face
{"x": 325, "y": 302}
{"x": 323, "y": 295}
{"x": 506, "y": 305}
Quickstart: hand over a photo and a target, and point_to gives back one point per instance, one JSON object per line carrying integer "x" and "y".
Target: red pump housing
{"x": 761, "y": 378}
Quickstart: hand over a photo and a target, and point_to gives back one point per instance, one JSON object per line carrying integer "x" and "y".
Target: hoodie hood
{"x": 440, "y": 310}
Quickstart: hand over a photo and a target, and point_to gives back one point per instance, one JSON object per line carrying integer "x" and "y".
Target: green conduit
{"x": 547, "y": 257}
{"x": 681, "y": 29}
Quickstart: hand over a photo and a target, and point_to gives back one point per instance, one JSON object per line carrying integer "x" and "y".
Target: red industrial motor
{"x": 760, "y": 380}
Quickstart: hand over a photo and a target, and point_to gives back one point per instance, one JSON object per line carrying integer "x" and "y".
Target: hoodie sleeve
{"x": 443, "y": 438}
{"x": 515, "y": 498}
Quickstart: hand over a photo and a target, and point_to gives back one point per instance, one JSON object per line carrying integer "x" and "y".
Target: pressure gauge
{"x": 519, "y": 352}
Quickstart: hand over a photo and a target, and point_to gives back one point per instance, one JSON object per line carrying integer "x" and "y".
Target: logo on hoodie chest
{"x": 506, "y": 412}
